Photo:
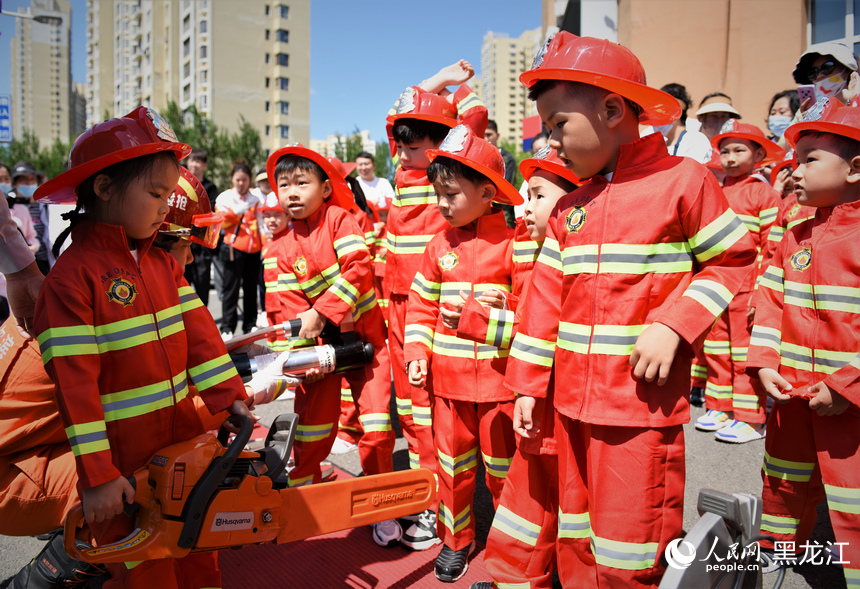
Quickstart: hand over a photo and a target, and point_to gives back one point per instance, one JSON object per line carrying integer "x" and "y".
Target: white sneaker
{"x": 739, "y": 432}
{"x": 712, "y": 421}
{"x": 422, "y": 534}
{"x": 262, "y": 320}
{"x": 225, "y": 335}
{"x": 342, "y": 446}
{"x": 387, "y": 533}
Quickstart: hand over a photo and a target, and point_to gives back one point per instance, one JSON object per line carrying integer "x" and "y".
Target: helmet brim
{"x": 505, "y": 193}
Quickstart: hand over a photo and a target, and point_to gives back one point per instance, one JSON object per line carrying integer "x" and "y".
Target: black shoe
{"x": 481, "y": 585}
{"x": 451, "y": 565}
{"x": 52, "y": 568}
{"x": 697, "y": 396}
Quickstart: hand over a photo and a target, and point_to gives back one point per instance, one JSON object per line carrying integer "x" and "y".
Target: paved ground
{"x": 710, "y": 464}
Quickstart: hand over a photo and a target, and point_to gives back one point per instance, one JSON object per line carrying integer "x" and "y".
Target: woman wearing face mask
{"x": 783, "y": 107}
{"x": 680, "y": 140}
{"x": 832, "y": 68}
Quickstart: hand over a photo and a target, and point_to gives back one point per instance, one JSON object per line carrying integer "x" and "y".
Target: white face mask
{"x": 664, "y": 129}
{"x": 830, "y": 87}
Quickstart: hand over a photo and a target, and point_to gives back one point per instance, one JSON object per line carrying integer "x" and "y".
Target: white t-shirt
{"x": 377, "y": 191}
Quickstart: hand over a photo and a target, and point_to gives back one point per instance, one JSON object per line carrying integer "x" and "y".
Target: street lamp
{"x": 45, "y": 19}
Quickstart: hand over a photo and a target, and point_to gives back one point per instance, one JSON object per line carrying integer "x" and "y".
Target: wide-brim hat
{"x": 839, "y": 51}
{"x": 140, "y": 132}
{"x": 719, "y": 107}
{"x": 604, "y": 64}
{"x": 341, "y": 192}
{"x": 261, "y": 175}
{"x": 547, "y": 159}
{"x": 480, "y": 155}
{"x": 732, "y": 128}
{"x": 827, "y": 116}
{"x": 415, "y": 103}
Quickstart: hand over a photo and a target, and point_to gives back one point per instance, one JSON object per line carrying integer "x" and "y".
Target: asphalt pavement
{"x": 710, "y": 464}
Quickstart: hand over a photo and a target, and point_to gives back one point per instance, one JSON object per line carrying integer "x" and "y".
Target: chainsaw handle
{"x": 246, "y": 427}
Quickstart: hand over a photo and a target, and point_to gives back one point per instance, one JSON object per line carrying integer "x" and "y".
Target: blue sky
{"x": 363, "y": 53}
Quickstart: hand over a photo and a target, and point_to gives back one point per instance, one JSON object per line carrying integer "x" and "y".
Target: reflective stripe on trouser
{"x": 349, "y": 426}
{"x": 699, "y": 369}
{"x": 417, "y": 429}
{"x": 717, "y": 351}
{"x": 371, "y": 390}
{"x": 464, "y": 431}
{"x": 318, "y": 408}
{"x": 614, "y": 526}
{"x": 198, "y": 569}
{"x": 521, "y": 543}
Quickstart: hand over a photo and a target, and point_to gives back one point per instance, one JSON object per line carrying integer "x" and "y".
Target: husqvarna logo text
{"x": 379, "y": 498}
{"x": 233, "y": 520}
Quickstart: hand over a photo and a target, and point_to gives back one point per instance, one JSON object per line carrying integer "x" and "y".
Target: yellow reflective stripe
{"x": 778, "y": 524}
{"x": 573, "y": 525}
{"x": 454, "y": 466}
{"x": 500, "y": 328}
{"x": 739, "y": 354}
{"x": 345, "y": 396}
{"x": 188, "y": 299}
{"x": 345, "y": 291}
{"x": 718, "y": 391}
{"x": 317, "y": 284}
{"x": 768, "y": 216}
{"x": 766, "y": 337}
{"x": 455, "y": 347}
{"x": 146, "y": 399}
{"x": 212, "y": 373}
{"x": 132, "y": 564}
{"x": 852, "y": 576}
{"x": 422, "y": 415}
{"x": 787, "y": 470}
{"x": 408, "y": 196}
{"x": 418, "y": 334}
{"x": 128, "y": 333}
{"x": 414, "y": 462}
{"x": 745, "y": 401}
{"x": 615, "y": 340}
{"x": 75, "y": 340}
{"x": 526, "y": 251}
{"x": 404, "y": 406}
{"x": 481, "y": 287}
{"x": 408, "y": 244}
{"x": 270, "y": 263}
{"x": 455, "y": 523}
{"x": 628, "y": 556}
{"x": 170, "y": 320}
{"x": 776, "y": 234}
{"x": 349, "y": 243}
{"x": 752, "y": 223}
{"x": 580, "y": 259}
{"x": 497, "y": 466}
{"x": 698, "y": 371}
{"x": 301, "y": 482}
{"x": 661, "y": 258}
{"x": 798, "y": 294}
{"x": 533, "y": 350}
{"x": 837, "y": 298}
{"x": 523, "y": 585}
{"x": 573, "y": 337}
{"x": 715, "y": 347}
{"x": 280, "y": 345}
{"x": 803, "y": 358}
{"x": 87, "y": 438}
{"x": 713, "y": 296}
{"x": 550, "y": 255}
{"x": 426, "y": 288}
{"x": 795, "y": 222}
{"x": 364, "y": 304}
{"x": 375, "y": 422}
{"x": 516, "y": 526}
{"x": 773, "y": 278}
{"x": 717, "y": 236}
{"x": 313, "y": 432}
{"x": 450, "y": 291}
{"x": 468, "y": 103}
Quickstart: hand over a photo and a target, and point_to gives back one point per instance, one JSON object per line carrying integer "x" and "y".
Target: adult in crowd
{"x": 832, "y": 68}
{"x": 783, "y": 107}
{"x": 18, "y": 264}
{"x": 680, "y": 140}
{"x": 714, "y": 110}
{"x": 492, "y": 136}
{"x": 377, "y": 191}
{"x": 25, "y": 181}
{"x": 238, "y": 254}
{"x": 199, "y": 272}
{"x": 262, "y": 181}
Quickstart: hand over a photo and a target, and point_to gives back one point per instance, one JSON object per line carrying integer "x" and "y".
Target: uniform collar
{"x": 847, "y": 214}
{"x": 107, "y": 237}
{"x": 486, "y": 224}
{"x": 745, "y": 179}
{"x": 314, "y": 219}
{"x": 636, "y": 154}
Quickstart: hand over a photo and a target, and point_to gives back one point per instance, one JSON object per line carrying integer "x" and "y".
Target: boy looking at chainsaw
{"x": 804, "y": 345}
{"x": 619, "y": 306}
{"x": 324, "y": 275}
{"x": 420, "y": 120}
{"x": 471, "y": 409}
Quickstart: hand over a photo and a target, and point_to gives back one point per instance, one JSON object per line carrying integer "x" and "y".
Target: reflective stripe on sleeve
{"x": 773, "y": 279}
{"x": 213, "y": 372}
{"x": 550, "y": 255}
{"x": 574, "y": 525}
{"x": 75, "y": 340}
{"x": 766, "y": 337}
{"x": 427, "y": 289}
{"x": 418, "y": 334}
{"x": 348, "y": 244}
{"x": 713, "y": 296}
{"x": 500, "y": 328}
{"x": 526, "y": 251}
{"x": 88, "y": 438}
{"x": 533, "y": 350}
{"x": 408, "y": 196}
{"x": 717, "y": 236}
{"x": 188, "y": 299}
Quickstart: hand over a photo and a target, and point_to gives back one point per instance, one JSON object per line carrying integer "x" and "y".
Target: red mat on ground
{"x": 343, "y": 559}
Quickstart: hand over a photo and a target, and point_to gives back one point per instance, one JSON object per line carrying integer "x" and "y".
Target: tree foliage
{"x": 50, "y": 160}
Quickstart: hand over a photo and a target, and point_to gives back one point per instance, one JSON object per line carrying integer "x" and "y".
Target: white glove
{"x": 270, "y": 383}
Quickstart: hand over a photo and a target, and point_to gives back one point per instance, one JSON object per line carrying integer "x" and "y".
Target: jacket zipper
{"x": 604, "y": 212}
{"x": 812, "y": 282}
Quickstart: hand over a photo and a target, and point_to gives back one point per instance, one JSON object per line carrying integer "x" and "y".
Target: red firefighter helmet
{"x": 415, "y": 103}
{"x": 341, "y": 192}
{"x": 140, "y": 132}
{"x": 604, "y": 64}
{"x": 469, "y": 149}
{"x": 827, "y": 116}
{"x": 733, "y": 128}
{"x": 190, "y": 216}
{"x": 345, "y": 168}
{"x": 547, "y": 159}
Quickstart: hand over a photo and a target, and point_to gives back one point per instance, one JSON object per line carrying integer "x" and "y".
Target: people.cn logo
{"x": 680, "y": 554}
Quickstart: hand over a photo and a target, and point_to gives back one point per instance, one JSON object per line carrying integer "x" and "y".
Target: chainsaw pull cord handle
{"x": 201, "y": 494}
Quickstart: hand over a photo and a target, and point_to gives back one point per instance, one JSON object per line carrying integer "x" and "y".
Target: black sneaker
{"x": 481, "y": 585}
{"x": 52, "y": 568}
{"x": 452, "y": 565}
{"x": 697, "y": 396}
{"x": 422, "y": 534}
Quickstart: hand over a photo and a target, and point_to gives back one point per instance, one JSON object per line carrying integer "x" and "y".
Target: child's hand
{"x": 312, "y": 323}
{"x": 773, "y": 384}
{"x": 654, "y": 353}
{"x": 806, "y": 105}
{"x": 827, "y": 401}
{"x": 417, "y": 371}
{"x": 526, "y": 412}
{"x": 313, "y": 375}
{"x": 781, "y": 179}
{"x": 105, "y": 501}
{"x": 853, "y": 88}
{"x": 493, "y": 298}
{"x": 239, "y": 408}
{"x": 451, "y": 311}
{"x": 750, "y": 316}
{"x": 454, "y": 74}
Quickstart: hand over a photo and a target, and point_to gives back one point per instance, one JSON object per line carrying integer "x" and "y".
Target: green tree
{"x": 384, "y": 164}
{"x": 49, "y": 160}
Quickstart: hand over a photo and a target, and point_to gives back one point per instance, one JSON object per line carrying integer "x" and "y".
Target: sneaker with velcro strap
{"x": 713, "y": 421}
{"x": 422, "y": 534}
{"x": 451, "y": 564}
{"x": 739, "y": 432}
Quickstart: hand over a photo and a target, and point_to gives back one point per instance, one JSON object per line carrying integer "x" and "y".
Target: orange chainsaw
{"x": 207, "y": 494}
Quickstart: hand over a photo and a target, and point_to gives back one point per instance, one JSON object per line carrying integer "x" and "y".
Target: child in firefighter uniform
{"x": 277, "y": 222}
{"x": 324, "y": 274}
{"x": 735, "y": 403}
{"x": 123, "y": 336}
{"x": 521, "y": 545}
{"x": 617, "y": 309}
{"x": 419, "y": 120}
{"x": 472, "y": 410}
{"x": 805, "y": 343}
